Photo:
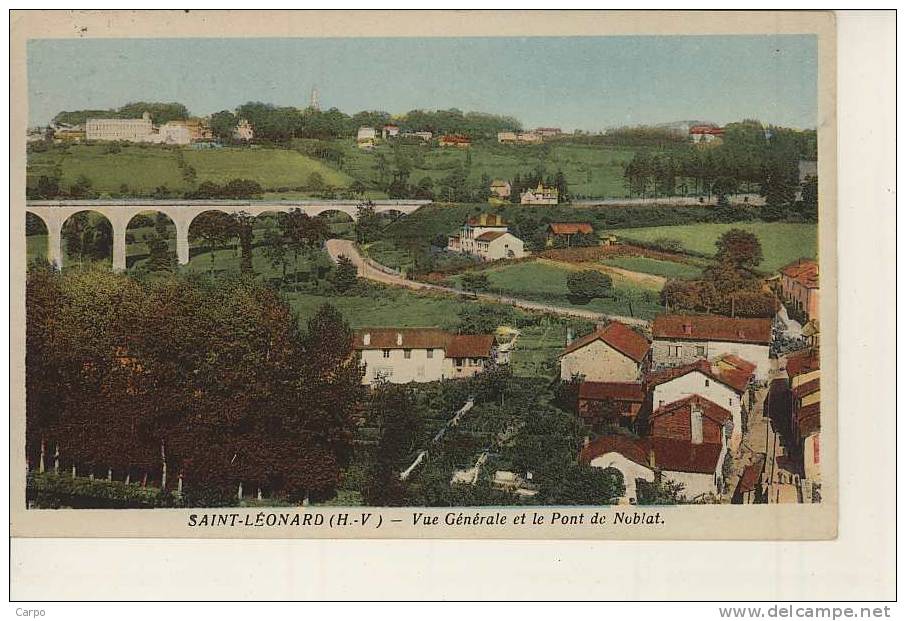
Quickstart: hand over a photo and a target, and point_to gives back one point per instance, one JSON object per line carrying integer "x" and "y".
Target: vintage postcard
{"x": 424, "y": 274}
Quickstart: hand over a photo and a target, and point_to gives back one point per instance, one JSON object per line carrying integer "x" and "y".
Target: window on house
{"x": 407, "y": 354}
{"x": 700, "y": 351}
{"x": 476, "y": 361}
{"x": 674, "y": 351}
{"x": 386, "y": 353}
{"x": 459, "y": 362}
{"x": 707, "y": 383}
{"x": 430, "y": 353}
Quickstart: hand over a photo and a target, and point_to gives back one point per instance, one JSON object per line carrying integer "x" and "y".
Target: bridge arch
{"x": 163, "y": 229}
{"x": 89, "y": 235}
{"x": 36, "y": 226}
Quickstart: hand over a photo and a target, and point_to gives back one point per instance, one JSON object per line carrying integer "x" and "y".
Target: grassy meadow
{"x": 781, "y": 242}
{"x": 546, "y": 282}
{"x": 667, "y": 269}
{"x": 141, "y": 169}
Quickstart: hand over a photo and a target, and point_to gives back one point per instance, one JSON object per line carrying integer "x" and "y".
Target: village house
{"x": 403, "y": 355}
{"x": 488, "y": 238}
{"x": 365, "y": 137}
{"x": 619, "y": 402}
{"x": 519, "y": 137}
{"x": 805, "y": 384}
{"x": 727, "y": 390}
{"x": 799, "y": 287}
{"x": 424, "y": 136}
{"x": 706, "y": 134}
{"x": 455, "y": 140}
{"x": 540, "y": 196}
{"x": 616, "y": 353}
{"x": 697, "y": 466}
{"x": 389, "y": 131}
{"x": 682, "y": 339}
{"x": 68, "y": 133}
{"x": 566, "y": 231}
{"x": 548, "y": 132}
{"x": 175, "y": 132}
{"x": 243, "y": 131}
{"x": 501, "y": 189}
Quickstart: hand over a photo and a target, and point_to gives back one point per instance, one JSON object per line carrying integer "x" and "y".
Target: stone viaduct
{"x": 120, "y": 212}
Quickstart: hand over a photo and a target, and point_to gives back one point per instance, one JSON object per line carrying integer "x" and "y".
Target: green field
{"x": 591, "y": 171}
{"x": 142, "y": 169}
{"x": 272, "y": 168}
{"x": 667, "y": 269}
{"x": 547, "y": 283}
{"x": 781, "y": 242}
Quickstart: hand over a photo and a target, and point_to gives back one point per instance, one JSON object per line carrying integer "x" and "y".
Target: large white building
{"x": 403, "y": 355}
{"x": 129, "y": 130}
{"x": 488, "y": 238}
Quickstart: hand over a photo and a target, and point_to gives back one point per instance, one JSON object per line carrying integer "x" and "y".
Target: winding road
{"x": 371, "y": 270}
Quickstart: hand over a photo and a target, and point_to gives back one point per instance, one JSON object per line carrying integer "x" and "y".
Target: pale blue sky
{"x": 578, "y": 82}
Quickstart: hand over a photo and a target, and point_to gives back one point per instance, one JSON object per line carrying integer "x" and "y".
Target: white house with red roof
{"x": 705, "y": 134}
{"x": 682, "y": 339}
{"x": 697, "y": 466}
{"x": 616, "y": 353}
{"x": 403, "y": 355}
{"x": 488, "y": 238}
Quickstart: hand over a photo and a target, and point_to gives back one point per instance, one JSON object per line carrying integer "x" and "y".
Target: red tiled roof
{"x": 709, "y": 409}
{"x": 570, "y": 228}
{"x": 634, "y": 449}
{"x": 669, "y": 454}
{"x": 712, "y": 328}
{"x": 735, "y": 380}
{"x": 808, "y": 388}
{"x": 617, "y": 391}
{"x": 751, "y": 475}
{"x": 802, "y": 362}
{"x": 619, "y": 336}
{"x": 706, "y": 129}
{"x": 456, "y": 138}
{"x": 470, "y": 346}
{"x": 684, "y": 456}
{"x": 455, "y": 345}
{"x": 490, "y": 236}
{"x": 804, "y": 271}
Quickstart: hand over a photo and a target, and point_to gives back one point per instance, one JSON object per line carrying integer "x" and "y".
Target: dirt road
{"x": 379, "y": 273}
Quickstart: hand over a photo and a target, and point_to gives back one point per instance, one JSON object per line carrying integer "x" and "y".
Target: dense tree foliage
{"x": 160, "y": 113}
{"x": 587, "y": 285}
{"x": 213, "y": 382}
{"x": 730, "y": 286}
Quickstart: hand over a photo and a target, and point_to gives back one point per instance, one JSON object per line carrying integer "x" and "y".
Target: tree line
{"x": 208, "y": 385}
{"x": 750, "y": 158}
{"x": 160, "y": 113}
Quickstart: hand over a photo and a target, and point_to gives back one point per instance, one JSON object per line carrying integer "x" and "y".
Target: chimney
{"x": 366, "y": 338}
{"x": 587, "y": 441}
{"x": 569, "y": 336}
{"x": 399, "y": 338}
{"x": 651, "y": 461}
{"x": 687, "y": 328}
